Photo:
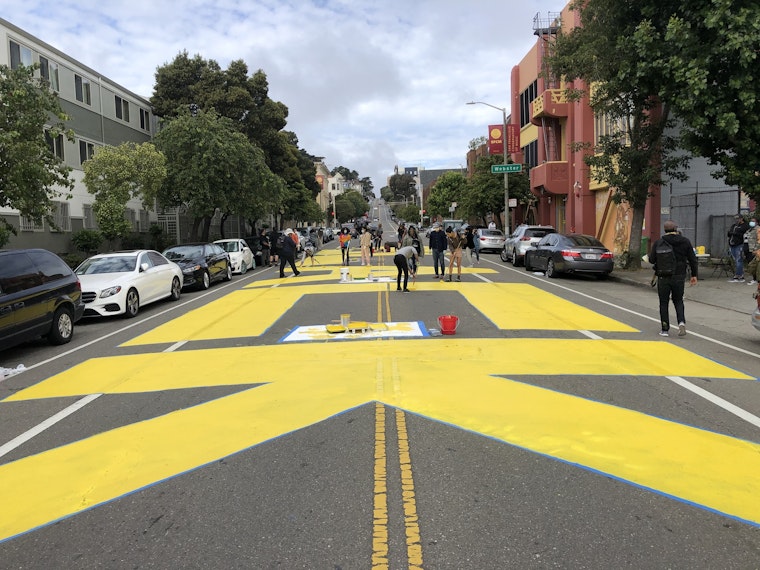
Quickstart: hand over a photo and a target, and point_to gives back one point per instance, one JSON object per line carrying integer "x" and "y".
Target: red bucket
{"x": 449, "y": 323}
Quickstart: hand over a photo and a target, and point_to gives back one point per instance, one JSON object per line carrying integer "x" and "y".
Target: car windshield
{"x": 230, "y": 246}
{"x": 120, "y": 264}
{"x": 585, "y": 241}
{"x": 491, "y": 233}
{"x": 184, "y": 252}
{"x": 537, "y": 232}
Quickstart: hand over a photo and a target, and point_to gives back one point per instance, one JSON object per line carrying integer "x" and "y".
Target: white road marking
{"x": 52, "y": 420}
{"x": 717, "y": 400}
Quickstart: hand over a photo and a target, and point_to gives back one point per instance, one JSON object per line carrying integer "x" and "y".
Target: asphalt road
{"x": 555, "y": 429}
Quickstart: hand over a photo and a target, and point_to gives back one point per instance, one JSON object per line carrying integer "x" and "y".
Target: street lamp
{"x": 504, "y": 141}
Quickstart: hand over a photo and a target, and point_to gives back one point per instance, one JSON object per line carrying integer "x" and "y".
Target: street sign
{"x": 502, "y": 168}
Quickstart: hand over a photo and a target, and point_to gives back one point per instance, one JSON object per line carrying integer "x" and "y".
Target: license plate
{"x": 590, "y": 256}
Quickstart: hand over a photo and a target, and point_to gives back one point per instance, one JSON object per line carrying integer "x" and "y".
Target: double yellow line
{"x": 408, "y": 496}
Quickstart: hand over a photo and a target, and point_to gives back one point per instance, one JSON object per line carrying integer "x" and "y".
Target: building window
{"x": 607, "y": 126}
{"x": 86, "y": 150}
{"x": 131, "y": 216}
{"x": 145, "y": 120}
{"x": 530, "y": 152}
{"x": 29, "y": 225}
{"x": 49, "y": 72}
{"x": 82, "y": 89}
{"x": 20, "y": 55}
{"x": 55, "y": 144}
{"x": 526, "y": 98}
{"x": 122, "y": 109}
{"x": 88, "y": 221}
{"x": 144, "y": 220}
{"x": 61, "y": 217}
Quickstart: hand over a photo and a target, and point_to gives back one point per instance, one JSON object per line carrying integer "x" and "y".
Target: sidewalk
{"x": 712, "y": 288}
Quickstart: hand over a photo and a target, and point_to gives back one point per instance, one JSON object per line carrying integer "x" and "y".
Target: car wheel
{"x": 243, "y": 268}
{"x": 526, "y": 262}
{"x": 228, "y": 277}
{"x": 62, "y": 328}
{"x": 205, "y": 282}
{"x": 176, "y": 289}
{"x": 503, "y": 254}
{"x": 551, "y": 271}
{"x": 515, "y": 259}
{"x": 133, "y": 304}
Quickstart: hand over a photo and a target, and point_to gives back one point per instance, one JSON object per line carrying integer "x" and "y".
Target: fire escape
{"x": 549, "y": 113}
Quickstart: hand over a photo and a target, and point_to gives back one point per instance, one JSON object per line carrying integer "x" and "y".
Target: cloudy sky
{"x": 369, "y": 84}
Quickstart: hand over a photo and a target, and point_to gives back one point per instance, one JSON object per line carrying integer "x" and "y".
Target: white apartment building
{"x": 101, "y": 113}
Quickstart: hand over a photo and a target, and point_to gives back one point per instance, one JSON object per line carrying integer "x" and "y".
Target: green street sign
{"x": 502, "y": 168}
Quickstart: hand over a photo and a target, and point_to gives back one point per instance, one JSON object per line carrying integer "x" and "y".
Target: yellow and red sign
{"x": 495, "y": 139}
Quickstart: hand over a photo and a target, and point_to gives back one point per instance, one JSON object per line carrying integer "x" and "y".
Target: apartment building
{"x": 566, "y": 196}
{"x": 101, "y": 113}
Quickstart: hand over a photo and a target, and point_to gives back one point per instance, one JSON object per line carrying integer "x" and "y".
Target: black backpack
{"x": 665, "y": 259}
{"x": 280, "y": 241}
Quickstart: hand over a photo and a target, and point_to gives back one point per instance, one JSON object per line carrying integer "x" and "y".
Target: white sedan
{"x": 241, "y": 256}
{"x": 121, "y": 282}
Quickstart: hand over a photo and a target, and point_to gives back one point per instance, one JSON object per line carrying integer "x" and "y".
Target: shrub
{"x": 87, "y": 241}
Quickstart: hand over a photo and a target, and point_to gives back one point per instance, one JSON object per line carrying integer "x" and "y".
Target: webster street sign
{"x": 502, "y": 168}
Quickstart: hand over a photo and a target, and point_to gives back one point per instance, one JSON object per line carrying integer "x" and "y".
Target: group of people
{"x": 743, "y": 245}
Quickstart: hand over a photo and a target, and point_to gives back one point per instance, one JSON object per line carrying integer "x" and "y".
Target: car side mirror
{"x": 144, "y": 267}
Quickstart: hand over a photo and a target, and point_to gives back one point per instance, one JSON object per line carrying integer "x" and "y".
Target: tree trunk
{"x": 206, "y": 228}
{"x": 194, "y": 229}
{"x": 221, "y": 224}
{"x": 634, "y": 241}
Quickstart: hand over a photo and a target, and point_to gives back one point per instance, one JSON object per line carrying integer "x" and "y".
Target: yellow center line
{"x": 380, "y": 511}
{"x": 411, "y": 520}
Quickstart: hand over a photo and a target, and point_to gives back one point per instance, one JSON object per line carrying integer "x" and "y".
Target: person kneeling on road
{"x": 401, "y": 259}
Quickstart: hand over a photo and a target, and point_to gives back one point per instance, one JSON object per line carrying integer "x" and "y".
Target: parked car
{"x": 121, "y": 282}
{"x": 39, "y": 296}
{"x": 201, "y": 263}
{"x": 520, "y": 241}
{"x": 569, "y": 253}
{"x": 490, "y": 240}
{"x": 328, "y": 235}
{"x": 241, "y": 256}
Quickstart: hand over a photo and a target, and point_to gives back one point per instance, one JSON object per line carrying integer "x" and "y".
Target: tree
{"x": 484, "y": 193}
{"x": 32, "y": 176}
{"x": 450, "y": 187}
{"x": 115, "y": 175}
{"x": 203, "y": 85}
{"x": 402, "y": 186}
{"x": 211, "y": 166}
{"x": 477, "y": 142}
{"x": 636, "y": 154}
{"x": 706, "y": 55}
{"x": 386, "y": 194}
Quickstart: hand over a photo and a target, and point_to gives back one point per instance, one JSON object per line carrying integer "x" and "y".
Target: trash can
{"x": 644, "y": 246}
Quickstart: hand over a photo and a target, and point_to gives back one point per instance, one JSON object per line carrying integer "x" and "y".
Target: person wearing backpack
{"x": 670, "y": 255}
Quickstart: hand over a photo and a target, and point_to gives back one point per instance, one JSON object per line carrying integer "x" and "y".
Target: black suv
{"x": 39, "y": 296}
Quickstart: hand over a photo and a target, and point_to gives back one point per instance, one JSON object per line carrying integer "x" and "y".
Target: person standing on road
{"x": 438, "y": 244}
{"x": 472, "y": 238}
{"x": 287, "y": 250}
{"x": 404, "y": 260}
{"x": 379, "y": 237}
{"x": 753, "y": 245}
{"x": 491, "y": 225}
{"x": 273, "y": 253}
{"x": 736, "y": 245}
{"x": 365, "y": 243}
{"x": 266, "y": 249}
{"x": 456, "y": 243}
{"x": 345, "y": 245}
{"x": 670, "y": 255}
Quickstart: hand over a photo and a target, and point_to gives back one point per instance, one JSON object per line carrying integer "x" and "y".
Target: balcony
{"x": 552, "y": 103}
{"x": 554, "y": 176}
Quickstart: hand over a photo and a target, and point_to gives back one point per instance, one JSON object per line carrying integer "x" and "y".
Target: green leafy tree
{"x": 115, "y": 175}
{"x": 87, "y": 241}
{"x": 344, "y": 209}
{"x": 31, "y": 175}
{"x": 402, "y": 186}
{"x": 210, "y": 166}
{"x": 705, "y": 56}
{"x": 450, "y": 187}
{"x": 408, "y": 212}
{"x": 386, "y": 193}
{"x": 637, "y": 153}
{"x": 477, "y": 142}
{"x": 484, "y": 193}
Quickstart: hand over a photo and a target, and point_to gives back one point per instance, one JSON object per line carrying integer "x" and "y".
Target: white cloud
{"x": 369, "y": 85}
